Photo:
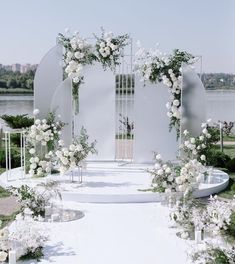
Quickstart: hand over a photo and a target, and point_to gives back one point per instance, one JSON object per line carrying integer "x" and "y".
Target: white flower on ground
{"x": 3, "y": 256}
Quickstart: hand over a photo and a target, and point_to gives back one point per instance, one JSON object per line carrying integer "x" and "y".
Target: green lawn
{"x": 229, "y": 192}
{"x": 228, "y": 149}
{"x": 229, "y": 138}
{"x": 3, "y": 192}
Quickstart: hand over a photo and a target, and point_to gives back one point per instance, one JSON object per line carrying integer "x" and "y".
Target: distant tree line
{"x": 218, "y": 81}
{"x": 10, "y": 79}
{"x": 124, "y": 82}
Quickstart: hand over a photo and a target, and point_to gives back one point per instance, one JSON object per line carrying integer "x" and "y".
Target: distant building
{"x": 7, "y": 67}
{"x": 16, "y": 67}
{"x": 0, "y": 66}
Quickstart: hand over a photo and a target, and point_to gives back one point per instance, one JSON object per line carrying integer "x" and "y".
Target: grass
{"x": 229, "y": 138}
{"x": 228, "y": 149}
{"x": 229, "y": 192}
{"x": 7, "y": 219}
{"x": 4, "y": 193}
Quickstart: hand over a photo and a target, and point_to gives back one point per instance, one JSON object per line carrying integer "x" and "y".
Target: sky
{"x": 28, "y": 28}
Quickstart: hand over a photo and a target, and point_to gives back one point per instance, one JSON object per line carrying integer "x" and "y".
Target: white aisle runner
{"x": 116, "y": 234}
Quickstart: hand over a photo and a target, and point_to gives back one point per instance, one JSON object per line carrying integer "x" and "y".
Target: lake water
{"x": 220, "y": 105}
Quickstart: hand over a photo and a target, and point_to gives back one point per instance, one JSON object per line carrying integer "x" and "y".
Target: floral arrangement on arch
{"x": 155, "y": 66}
{"x": 79, "y": 52}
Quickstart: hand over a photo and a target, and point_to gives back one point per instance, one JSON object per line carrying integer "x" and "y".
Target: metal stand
{"x": 7, "y": 139}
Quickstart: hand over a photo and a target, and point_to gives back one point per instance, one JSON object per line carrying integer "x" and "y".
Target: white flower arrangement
{"x": 109, "y": 48}
{"x": 40, "y": 140}
{"x": 219, "y": 214}
{"x": 78, "y": 53}
{"x": 163, "y": 176}
{"x": 72, "y": 156}
{"x": 197, "y": 147}
{"x": 155, "y": 66}
{"x": 25, "y": 236}
{"x": 211, "y": 254}
{"x": 190, "y": 176}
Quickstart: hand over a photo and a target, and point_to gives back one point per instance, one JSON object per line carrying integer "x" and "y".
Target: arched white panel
{"x": 193, "y": 102}
{"x": 61, "y": 103}
{"x": 97, "y": 110}
{"x": 152, "y": 124}
{"x": 48, "y": 76}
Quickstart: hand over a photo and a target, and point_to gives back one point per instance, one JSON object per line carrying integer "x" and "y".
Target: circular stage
{"x": 110, "y": 182}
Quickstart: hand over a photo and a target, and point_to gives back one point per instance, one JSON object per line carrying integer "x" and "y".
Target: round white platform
{"x": 108, "y": 182}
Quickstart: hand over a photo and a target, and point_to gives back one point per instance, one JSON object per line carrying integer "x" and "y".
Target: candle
{"x": 47, "y": 210}
{"x": 198, "y": 236}
{"x": 54, "y": 217}
{"x": 12, "y": 257}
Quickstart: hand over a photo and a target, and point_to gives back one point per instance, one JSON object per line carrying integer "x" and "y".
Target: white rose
{"x": 61, "y": 142}
{"x": 102, "y": 44}
{"x": 176, "y": 102}
{"x": 3, "y": 256}
{"x": 32, "y": 151}
{"x": 160, "y": 172}
{"x": 168, "y": 105}
{"x": 204, "y": 131}
{"x": 164, "y": 184}
{"x": 170, "y": 178}
{"x": 157, "y": 166}
{"x": 185, "y": 132}
{"x": 201, "y": 138}
{"x": 72, "y": 147}
{"x": 36, "y": 112}
{"x": 192, "y": 140}
{"x": 168, "y": 170}
{"x": 158, "y": 157}
{"x": 36, "y": 159}
{"x": 208, "y": 135}
{"x": 203, "y": 157}
{"x": 167, "y": 190}
{"x": 37, "y": 122}
{"x": 33, "y": 166}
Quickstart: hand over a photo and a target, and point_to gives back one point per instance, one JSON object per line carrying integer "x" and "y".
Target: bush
{"x": 217, "y": 158}
{"x": 231, "y": 165}
{"x": 18, "y": 121}
{"x": 15, "y": 158}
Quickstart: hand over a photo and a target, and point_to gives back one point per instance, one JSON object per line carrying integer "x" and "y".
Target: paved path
{"x": 8, "y": 206}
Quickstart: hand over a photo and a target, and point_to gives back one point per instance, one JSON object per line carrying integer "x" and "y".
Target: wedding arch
{"x": 101, "y": 78}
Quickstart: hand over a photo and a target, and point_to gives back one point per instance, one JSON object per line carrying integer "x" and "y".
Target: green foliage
{"x": 220, "y": 81}
{"x": 10, "y": 79}
{"x": 231, "y": 227}
{"x": 15, "y": 158}
{"x": 37, "y": 254}
{"x": 231, "y": 165}
{"x": 4, "y": 193}
{"x": 214, "y": 255}
{"x": 6, "y": 219}
{"x": 18, "y": 121}
{"x": 29, "y": 198}
{"x": 217, "y": 158}
{"x": 87, "y": 147}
